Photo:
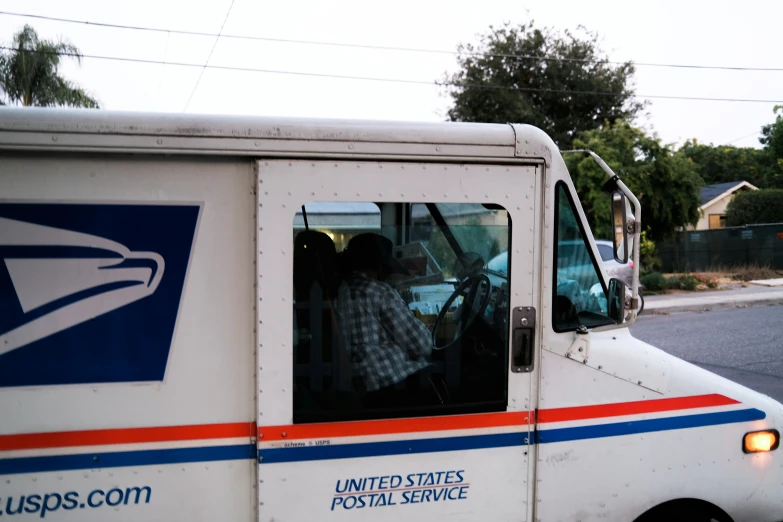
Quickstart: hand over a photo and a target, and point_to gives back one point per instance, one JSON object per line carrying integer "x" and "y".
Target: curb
{"x": 706, "y": 307}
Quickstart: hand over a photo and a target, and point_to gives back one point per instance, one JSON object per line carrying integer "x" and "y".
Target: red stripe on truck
{"x": 633, "y": 408}
{"x": 388, "y": 427}
{"x": 486, "y": 420}
{"x": 63, "y": 439}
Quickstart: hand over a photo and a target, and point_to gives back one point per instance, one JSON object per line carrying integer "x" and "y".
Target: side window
{"x": 401, "y": 310}
{"x": 580, "y": 296}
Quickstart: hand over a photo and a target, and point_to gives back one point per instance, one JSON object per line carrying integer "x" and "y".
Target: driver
{"x": 388, "y": 344}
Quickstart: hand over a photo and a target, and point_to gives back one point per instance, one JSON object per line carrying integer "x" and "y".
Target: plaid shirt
{"x": 387, "y": 342}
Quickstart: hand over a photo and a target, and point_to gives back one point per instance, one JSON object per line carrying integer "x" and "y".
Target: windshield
{"x": 479, "y": 236}
{"x": 580, "y": 297}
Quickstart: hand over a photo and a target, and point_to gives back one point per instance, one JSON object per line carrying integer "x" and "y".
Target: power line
{"x": 743, "y": 137}
{"x": 399, "y": 80}
{"x": 383, "y": 47}
{"x": 217, "y": 37}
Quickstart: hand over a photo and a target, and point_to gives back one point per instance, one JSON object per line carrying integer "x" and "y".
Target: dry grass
{"x": 745, "y": 273}
{"x": 719, "y": 277}
{"x": 704, "y": 280}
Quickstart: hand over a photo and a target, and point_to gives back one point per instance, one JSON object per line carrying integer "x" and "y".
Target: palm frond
{"x": 29, "y": 74}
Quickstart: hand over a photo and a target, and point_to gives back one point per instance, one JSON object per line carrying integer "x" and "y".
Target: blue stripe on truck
{"x": 647, "y": 426}
{"x": 395, "y": 447}
{"x": 377, "y": 449}
{"x": 126, "y": 458}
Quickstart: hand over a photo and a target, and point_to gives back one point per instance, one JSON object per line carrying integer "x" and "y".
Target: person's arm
{"x": 400, "y": 323}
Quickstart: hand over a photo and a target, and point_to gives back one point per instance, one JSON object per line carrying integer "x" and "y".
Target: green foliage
{"x": 665, "y": 182}
{"x": 29, "y": 74}
{"x": 497, "y": 86}
{"x": 683, "y": 282}
{"x": 654, "y": 281}
{"x": 724, "y": 163}
{"x": 755, "y": 207}
{"x": 672, "y": 283}
{"x": 648, "y": 254}
{"x": 567, "y": 223}
{"x": 772, "y": 139}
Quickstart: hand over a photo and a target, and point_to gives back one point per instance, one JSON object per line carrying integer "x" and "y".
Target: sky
{"x": 716, "y": 33}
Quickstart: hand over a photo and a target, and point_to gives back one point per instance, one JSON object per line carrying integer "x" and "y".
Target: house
{"x": 714, "y": 200}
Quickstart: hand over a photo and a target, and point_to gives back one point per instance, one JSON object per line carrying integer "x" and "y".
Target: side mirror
{"x": 615, "y": 305}
{"x": 619, "y": 221}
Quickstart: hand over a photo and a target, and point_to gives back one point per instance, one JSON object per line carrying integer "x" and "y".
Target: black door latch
{"x": 523, "y": 341}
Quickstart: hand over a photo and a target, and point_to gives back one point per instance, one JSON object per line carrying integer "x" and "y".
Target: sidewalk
{"x": 712, "y": 300}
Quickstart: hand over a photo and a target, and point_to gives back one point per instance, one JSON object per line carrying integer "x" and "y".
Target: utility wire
{"x": 399, "y": 80}
{"x": 206, "y": 64}
{"x": 743, "y": 137}
{"x": 383, "y": 47}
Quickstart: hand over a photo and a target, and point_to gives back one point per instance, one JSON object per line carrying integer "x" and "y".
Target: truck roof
{"x": 68, "y": 129}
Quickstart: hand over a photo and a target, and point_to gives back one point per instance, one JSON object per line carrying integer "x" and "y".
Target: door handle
{"x": 523, "y": 339}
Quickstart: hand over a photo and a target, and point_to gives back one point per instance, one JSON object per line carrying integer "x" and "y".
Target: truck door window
{"x": 580, "y": 296}
{"x": 391, "y": 321}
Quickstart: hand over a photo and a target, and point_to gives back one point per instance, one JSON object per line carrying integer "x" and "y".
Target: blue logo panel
{"x": 89, "y": 293}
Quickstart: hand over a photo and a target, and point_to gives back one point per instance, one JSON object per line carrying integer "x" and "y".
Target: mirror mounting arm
{"x": 580, "y": 347}
{"x": 611, "y": 185}
{"x": 637, "y": 221}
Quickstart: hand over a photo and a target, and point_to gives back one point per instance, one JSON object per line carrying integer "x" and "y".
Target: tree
{"x": 754, "y": 207}
{"x": 724, "y": 163}
{"x": 557, "y": 82}
{"x": 772, "y": 139}
{"x": 665, "y": 181}
{"x": 29, "y": 73}
{"x": 761, "y": 167}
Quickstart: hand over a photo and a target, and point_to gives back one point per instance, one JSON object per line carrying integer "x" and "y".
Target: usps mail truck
{"x": 239, "y": 319}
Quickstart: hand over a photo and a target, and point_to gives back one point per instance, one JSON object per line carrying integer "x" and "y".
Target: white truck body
{"x": 147, "y": 358}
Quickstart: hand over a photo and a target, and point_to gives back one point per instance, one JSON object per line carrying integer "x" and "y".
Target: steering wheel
{"x": 468, "y": 311}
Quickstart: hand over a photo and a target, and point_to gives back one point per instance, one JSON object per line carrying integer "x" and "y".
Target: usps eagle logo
{"x": 90, "y": 293}
{"x": 42, "y": 281}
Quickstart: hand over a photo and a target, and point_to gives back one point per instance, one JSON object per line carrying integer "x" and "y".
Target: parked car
{"x": 622, "y": 271}
{"x": 571, "y": 248}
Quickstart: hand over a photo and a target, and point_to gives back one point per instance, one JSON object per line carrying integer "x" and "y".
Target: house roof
{"x": 712, "y": 192}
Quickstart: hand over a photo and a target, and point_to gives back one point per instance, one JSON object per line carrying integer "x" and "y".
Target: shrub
{"x": 755, "y": 207}
{"x": 648, "y": 254}
{"x": 655, "y": 282}
{"x": 688, "y": 282}
{"x": 683, "y": 282}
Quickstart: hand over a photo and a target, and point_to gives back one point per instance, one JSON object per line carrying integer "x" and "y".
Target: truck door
{"x": 363, "y": 412}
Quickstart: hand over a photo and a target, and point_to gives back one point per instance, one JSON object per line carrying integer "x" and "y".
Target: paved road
{"x": 741, "y": 344}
